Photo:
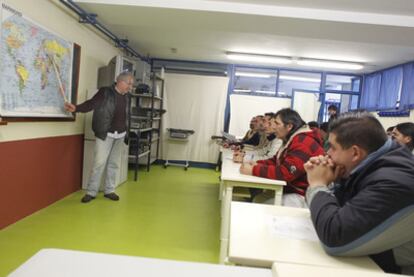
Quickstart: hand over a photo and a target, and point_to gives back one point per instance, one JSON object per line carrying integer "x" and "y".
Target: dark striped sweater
{"x": 288, "y": 162}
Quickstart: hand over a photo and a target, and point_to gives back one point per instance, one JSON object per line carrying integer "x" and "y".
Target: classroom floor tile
{"x": 168, "y": 213}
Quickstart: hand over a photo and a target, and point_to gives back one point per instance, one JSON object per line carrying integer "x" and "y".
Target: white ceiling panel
{"x": 205, "y": 34}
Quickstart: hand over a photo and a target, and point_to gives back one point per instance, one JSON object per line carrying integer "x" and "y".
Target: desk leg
{"x": 278, "y": 196}
{"x": 224, "y": 248}
{"x": 225, "y": 223}
{"x": 221, "y": 192}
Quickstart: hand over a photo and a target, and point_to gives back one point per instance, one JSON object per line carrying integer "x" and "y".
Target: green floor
{"x": 169, "y": 213}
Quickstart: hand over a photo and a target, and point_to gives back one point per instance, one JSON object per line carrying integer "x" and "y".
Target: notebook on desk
{"x": 229, "y": 137}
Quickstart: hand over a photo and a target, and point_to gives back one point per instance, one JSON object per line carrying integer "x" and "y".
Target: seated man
{"x": 323, "y": 129}
{"x": 299, "y": 144}
{"x": 313, "y": 124}
{"x": 252, "y": 136}
{"x": 370, "y": 210}
{"x": 389, "y": 131}
{"x": 265, "y": 151}
{"x": 403, "y": 133}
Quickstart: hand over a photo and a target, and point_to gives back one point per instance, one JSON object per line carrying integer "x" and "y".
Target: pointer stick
{"x": 62, "y": 91}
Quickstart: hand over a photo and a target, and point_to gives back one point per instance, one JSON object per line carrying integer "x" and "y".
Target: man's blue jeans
{"x": 107, "y": 156}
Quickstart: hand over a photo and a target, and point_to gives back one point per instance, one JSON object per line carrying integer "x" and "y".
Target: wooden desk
{"x": 3, "y": 122}
{"x": 231, "y": 177}
{"x": 295, "y": 270}
{"x": 59, "y": 262}
{"x": 254, "y": 242}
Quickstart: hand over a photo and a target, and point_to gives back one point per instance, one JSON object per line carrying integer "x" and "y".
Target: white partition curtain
{"x": 307, "y": 104}
{"x": 194, "y": 102}
{"x": 244, "y": 107}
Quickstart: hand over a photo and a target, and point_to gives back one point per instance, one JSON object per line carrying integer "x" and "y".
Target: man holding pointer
{"x": 109, "y": 123}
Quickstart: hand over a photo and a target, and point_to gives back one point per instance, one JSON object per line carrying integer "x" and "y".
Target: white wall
{"x": 96, "y": 51}
{"x": 197, "y": 103}
{"x": 392, "y": 121}
{"x": 307, "y": 105}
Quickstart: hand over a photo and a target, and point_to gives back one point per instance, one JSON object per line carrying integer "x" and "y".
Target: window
{"x": 255, "y": 81}
{"x": 296, "y": 80}
{"x": 336, "y": 82}
{"x": 342, "y": 90}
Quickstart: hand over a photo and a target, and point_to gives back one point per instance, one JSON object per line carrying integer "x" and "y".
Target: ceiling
{"x": 377, "y": 33}
{"x": 401, "y": 7}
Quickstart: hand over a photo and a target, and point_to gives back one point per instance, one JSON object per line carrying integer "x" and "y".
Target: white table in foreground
{"x": 230, "y": 178}
{"x": 295, "y": 270}
{"x": 254, "y": 242}
{"x": 59, "y": 262}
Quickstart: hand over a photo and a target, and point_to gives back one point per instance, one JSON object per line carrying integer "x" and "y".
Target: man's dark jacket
{"x": 377, "y": 192}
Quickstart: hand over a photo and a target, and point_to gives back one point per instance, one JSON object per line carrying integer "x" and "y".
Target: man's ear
{"x": 407, "y": 139}
{"x": 289, "y": 126}
{"x": 358, "y": 153}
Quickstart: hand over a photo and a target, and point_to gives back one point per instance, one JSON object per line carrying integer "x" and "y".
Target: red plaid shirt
{"x": 288, "y": 162}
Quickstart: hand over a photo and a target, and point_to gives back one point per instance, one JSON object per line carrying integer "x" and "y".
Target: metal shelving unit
{"x": 138, "y": 149}
{"x": 145, "y": 121}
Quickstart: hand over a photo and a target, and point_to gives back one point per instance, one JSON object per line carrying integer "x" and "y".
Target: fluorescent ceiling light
{"x": 241, "y": 90}
{"x": 269, "y": 59}
{"x": 330, "y": 64}
{"x": 265, "y": 91}
{"x": 258, "y": 58}
{"x": 253, "y": 74}
{"x": 298, "y": 78}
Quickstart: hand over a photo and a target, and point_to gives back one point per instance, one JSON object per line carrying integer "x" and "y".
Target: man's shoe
{"x": 87, "y": 198}
{"x": 113, "y": 196}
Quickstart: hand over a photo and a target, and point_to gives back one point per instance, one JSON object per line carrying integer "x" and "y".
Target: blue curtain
{"x": 371, "y": 91}
{"x": 407, "y": 91}
{"x": 390, "y": 88}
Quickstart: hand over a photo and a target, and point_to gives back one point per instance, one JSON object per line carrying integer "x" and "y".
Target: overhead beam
{"x": 269, "y": 10}
{"x": 90, "y": 18}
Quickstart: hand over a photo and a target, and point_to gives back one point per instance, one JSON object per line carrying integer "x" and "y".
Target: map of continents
{"x": 32, "y": 61}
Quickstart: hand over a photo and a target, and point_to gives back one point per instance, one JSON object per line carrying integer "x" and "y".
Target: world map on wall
{"x": 35, "y": 68}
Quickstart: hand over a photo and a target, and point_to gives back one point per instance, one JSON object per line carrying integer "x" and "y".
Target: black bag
{"x": 142, "y": 88}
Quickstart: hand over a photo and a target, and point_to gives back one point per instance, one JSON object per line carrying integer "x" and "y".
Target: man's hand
{"x": 70, "y": 107}
{"x": 246, "y": 168}
{"x": 321, "y": 170}
{"x": 235, "y": 147}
